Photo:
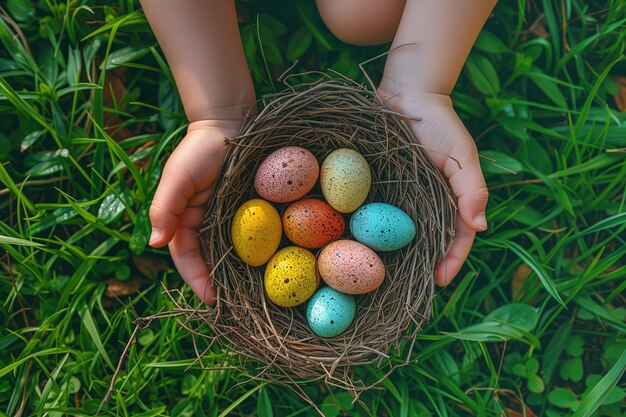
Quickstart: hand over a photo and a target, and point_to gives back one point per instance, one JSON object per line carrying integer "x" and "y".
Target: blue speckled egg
{"x": 382, "y": 227}
{"x": 330, "y": 312}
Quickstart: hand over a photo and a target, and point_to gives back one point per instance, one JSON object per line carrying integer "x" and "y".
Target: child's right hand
{"x": 179, "y": 204}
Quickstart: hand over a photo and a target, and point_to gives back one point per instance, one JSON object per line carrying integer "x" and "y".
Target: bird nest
{"x": 275, "y": 343}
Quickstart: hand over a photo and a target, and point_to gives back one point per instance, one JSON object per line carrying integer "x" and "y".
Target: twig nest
{"x": 276, "y": 343}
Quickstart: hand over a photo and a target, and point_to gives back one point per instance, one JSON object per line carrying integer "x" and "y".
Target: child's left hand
{"x": 445, "y": 139}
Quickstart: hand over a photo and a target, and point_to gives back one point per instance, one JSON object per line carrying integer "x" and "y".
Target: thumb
{"x": 170, "y": 201}
{"x": 468, "y": 184}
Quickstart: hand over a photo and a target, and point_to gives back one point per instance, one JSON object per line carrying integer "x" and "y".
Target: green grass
{"x": 89, "y": 113}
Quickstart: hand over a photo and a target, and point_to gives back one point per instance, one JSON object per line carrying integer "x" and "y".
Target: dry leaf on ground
{"x": 117, "y": 288}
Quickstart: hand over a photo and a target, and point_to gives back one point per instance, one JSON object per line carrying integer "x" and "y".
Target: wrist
{"x": 396, "y": 94}
{"x": 211, "y": 135}
{"x": 227, "y": 126}
{"x": 227, "y": 113}
{"x": 401, "y": 75}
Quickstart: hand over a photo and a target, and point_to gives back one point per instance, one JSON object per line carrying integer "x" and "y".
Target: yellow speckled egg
{"x": 345, "y": 179}
{"x": 256, "y": 231}
{"x": 291, "y": 276}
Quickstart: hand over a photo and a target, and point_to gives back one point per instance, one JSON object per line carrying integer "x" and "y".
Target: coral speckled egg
{"x": 286, "y": 174}
{"x": 256, "y": 231}
{"x": 345, "y": 179}
{"x": 351, "y": 267}
{"x": 291, "y": 276}
{"x": 312, "y": 223}
{"x": 382, "y": 227}
{"x": 330, "y": 312}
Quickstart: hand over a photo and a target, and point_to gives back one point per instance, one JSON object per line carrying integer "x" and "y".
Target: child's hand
{"x": 179, "y": 204}
{"x": 442, "y": 133}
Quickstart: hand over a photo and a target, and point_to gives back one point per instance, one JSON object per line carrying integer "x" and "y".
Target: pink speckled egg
{"x": 312, "y": 223}
{"x": 286, "y": 174}
{"x": 350, "y": 267}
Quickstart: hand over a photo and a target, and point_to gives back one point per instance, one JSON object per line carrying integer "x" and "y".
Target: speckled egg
{"x": 291, "y": 277}
{"x": 350, "y": 267}
{"x": 382, "y": 227}
{"x": 312, "y": 223}
{"x": 345, "y": 179}
{"x": 256, "y": 231}
{"x": 286, "y": 174}
{"x": 330, "y": 312}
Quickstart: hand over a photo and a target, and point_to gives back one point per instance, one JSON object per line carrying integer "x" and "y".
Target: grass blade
{"x": 241, "y": 399}
{"x": 590, "y": 402}
{"x": 7, "y": 240}
{"x": 537, "y": 268}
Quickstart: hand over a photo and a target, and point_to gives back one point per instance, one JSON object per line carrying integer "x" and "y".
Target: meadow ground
{"x": 89, "y": 113}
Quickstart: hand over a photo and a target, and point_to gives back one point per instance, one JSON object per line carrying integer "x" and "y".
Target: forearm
{"x": 202, "y": 45}
{"x": 437, "y": 36}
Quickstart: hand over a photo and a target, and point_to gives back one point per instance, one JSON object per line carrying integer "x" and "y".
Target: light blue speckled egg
{"x": 330, "y": 312}
{"x": 382, "y": 227}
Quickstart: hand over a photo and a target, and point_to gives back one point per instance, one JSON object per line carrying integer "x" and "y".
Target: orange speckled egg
{"x": 312, "y": 223}
{"x": 351, "y": 267}
{"x": 287, "y": 174}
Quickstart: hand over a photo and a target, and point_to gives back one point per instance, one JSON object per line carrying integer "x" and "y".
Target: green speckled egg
{"x": 291, "y": 276}
{"x": 345, "y": 179}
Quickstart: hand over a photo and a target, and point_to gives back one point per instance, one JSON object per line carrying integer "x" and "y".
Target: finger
{"x": 468, "y": 182}
{"x": 450, "y": 146}
{"x": 192, "y": 217}
{"x": 452, "y": 263}
{"x": 173, "y": 193}
{"x": 199, "y": 199}
{"x": 185, "y": 251}
{"x": 192, "y": 167}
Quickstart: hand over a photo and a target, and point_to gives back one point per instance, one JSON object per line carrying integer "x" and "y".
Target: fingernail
{"x": 481, "y": 221}
{"x": 155, "y": 236}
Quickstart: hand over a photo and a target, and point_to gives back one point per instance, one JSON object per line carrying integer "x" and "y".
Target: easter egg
{"x": 256, "y": 231}
{"x": 345, "y": 179}
{"x": 382, "y": 227}
{"x": 286, "y": 174}
{"x": 350, "y": 267}
{"x": 330, "y": 312}
{"x": 312, "y": 223}
{"x": 291, "y": 277}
